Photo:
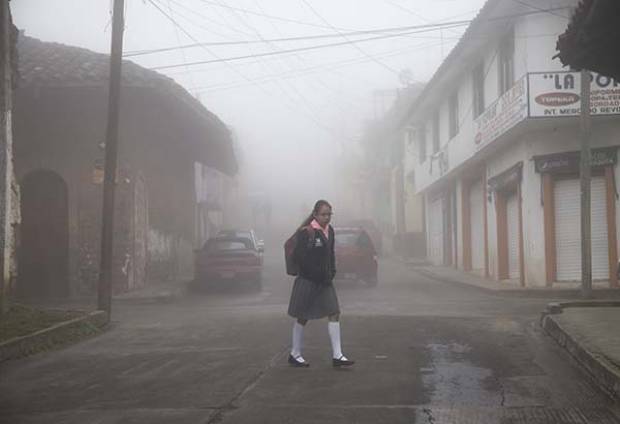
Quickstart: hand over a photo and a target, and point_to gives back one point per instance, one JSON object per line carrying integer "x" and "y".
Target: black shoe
{"x": 295, "y": 363}
{"x": 342, "y": 362}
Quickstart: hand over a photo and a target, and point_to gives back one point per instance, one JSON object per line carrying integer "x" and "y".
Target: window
{"x": 454, "y": 114}
{"x": 506, "y": 62}
{"x": 436, "y": 138}
{"x": 478, "y": 80}
{"x": 422, "y": 143}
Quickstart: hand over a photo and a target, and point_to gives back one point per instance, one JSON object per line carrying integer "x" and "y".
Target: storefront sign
{"x": 505, "y": 113}
{"x": 555, "y": 94}
{"x": 568, "y": 162}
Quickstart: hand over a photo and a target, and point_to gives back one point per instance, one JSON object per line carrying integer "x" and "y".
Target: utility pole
{"x": 104, "y": 292}
{"x": 585, "y": 176}
{"x": 6, "y": 153}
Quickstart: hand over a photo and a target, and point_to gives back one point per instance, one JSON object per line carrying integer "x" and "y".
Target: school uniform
{"x": 313, "y": 295}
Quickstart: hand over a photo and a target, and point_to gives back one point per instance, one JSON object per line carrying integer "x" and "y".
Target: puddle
{"x": 455, "y": 380}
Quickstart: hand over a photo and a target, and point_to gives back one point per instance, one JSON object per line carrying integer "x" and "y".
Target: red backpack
{"x": 290, "y": 245}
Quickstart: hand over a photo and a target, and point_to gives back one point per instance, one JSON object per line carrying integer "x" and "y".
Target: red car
{"x": 229, "y": 258}
{"x": 375, "y": 234}
{"x": 356, "y": 256}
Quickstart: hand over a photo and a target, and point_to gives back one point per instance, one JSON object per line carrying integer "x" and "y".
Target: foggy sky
{"x": 311, "y": 105}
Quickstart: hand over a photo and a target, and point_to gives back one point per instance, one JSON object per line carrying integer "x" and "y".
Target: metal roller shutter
{"x": 436, "y": 231}
{"x": 476, "y": 208}
{"x": 568, "y": 229}
{"x": 512, "y": 211}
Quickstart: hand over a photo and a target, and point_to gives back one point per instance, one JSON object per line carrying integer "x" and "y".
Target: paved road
{"x": 427, "y": 352}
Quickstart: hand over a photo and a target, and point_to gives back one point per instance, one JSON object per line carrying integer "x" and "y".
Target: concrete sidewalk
{"x": 513, "y": 287}
{"x": 589, "y": 332}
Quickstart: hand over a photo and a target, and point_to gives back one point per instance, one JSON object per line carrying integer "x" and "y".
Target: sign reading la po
{"x": 557, "y": 94}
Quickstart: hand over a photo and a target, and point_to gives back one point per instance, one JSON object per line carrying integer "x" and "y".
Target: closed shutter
{"x": 512, "y": 212}
{"x": 436, "y": 232}
{"x": 568, "y": 229}
{"x": 476, "y": 208}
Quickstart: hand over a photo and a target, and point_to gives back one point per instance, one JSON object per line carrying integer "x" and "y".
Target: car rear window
{"x": 347, "y": 239}
{"x": 228, "y": 244}
{"x": 358, "y": 239}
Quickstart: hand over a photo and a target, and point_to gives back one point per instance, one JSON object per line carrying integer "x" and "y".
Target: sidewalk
{"x": 454, "y": 276}
{"x": 589, "y": 332}
{"x": 154, "y": 293}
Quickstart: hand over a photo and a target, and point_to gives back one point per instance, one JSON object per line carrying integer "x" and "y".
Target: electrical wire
{"x": 531, "y": 6}
{"x": 324, "y": 67}
{"x": 355, "y": 46}
{"x": 300, "y": 49}
{"x": 423, "y": 29}
{"x": 277, "y": 18}
{"x": 170, "y": 18}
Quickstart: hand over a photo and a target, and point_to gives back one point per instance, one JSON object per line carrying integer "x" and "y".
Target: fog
{"x": 298, "y": 117}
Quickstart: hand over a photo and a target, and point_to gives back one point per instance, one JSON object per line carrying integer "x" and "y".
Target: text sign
{"x": 503, "y": 114}
{"x": 555, "y": 94}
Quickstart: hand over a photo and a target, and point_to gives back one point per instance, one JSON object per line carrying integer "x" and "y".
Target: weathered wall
{"x": 62, "y": 130}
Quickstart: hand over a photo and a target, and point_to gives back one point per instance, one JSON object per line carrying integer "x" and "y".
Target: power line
{"x": 300, "y": 49}
{"x": 206, "y": 18}
{"x": 445, "y": 25}
{"x": 264, "y": 15}
{"x": 170, "y": 18}
{"x": 176, "y": 33}
{"x": 531, "y": 6}
{"x": 355, "y": 46}
{"x": 426, "y": 28}
{"x": 306, "y": 71}
{"x": 312, "y": 114}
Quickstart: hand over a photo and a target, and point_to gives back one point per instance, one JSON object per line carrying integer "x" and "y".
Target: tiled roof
{"x": 48, "y": 64}
{"x": 54, "y": 64}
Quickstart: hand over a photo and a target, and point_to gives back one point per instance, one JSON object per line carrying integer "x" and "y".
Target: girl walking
{"x": 314, "y": 295}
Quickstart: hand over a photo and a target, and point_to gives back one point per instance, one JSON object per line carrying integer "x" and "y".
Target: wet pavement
{"x": 426, "y": 351}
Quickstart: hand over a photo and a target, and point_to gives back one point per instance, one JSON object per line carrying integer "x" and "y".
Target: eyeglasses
{"x": 326, "y": 214}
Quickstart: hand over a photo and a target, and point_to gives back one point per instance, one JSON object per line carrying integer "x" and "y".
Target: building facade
{"x": 496, "y": 153}
{"x": 59, "y": 121}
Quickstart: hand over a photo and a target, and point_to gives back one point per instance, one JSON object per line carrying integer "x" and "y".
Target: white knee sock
{"x": 298, "y": 333}
{"x": 334, "y": 334}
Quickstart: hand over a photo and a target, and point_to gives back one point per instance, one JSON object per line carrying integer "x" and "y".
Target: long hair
{"x": 317, "y": 207}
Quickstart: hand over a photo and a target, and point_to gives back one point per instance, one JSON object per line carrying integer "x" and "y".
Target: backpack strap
{"x": 311, "y": 234}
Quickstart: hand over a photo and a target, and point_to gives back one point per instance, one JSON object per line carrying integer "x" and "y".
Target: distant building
{"x": 385, "y": 196}
{"x": 60, "y": 121}
{"x": 496, "y": 153}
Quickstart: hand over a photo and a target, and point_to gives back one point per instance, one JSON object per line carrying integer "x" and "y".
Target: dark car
{"x": 229, "y": 258}
{"x": 375, "y": 234}
{"x": 356, "y": 256}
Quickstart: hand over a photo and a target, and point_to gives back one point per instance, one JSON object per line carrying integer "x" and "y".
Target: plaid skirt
{"x": 310, "y": 300}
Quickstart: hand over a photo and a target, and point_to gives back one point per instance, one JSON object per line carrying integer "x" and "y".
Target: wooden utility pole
{"x": 585, "y": 177}
{"x": 104, "y": 292}
{"x": 6, "y": 153}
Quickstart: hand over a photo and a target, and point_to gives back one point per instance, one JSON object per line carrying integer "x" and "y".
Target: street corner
{"x": 587, "y": 330}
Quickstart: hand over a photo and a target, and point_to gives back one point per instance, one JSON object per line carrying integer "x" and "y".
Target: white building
{"x": 496, "y": 152}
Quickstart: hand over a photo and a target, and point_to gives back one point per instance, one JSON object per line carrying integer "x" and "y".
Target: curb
{"x": 605, "y": 374}
{"x": 433, "y": 276}
{"x": 528, "y": 292}
{"x": 161, "y": 297}
{"x": 56, "y": 335}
